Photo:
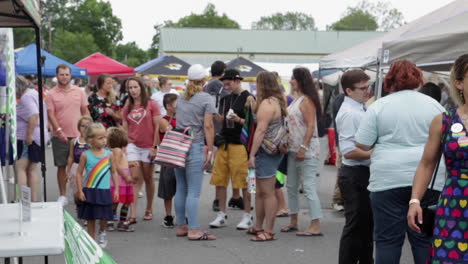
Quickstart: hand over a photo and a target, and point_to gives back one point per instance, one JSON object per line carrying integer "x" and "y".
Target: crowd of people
{"x": 104, "y": 144}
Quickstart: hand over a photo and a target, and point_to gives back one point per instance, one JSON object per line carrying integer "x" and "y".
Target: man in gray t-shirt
{"x": 215, "y": 88}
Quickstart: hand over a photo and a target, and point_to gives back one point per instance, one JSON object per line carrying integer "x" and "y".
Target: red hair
{"x": 403, "y": 75}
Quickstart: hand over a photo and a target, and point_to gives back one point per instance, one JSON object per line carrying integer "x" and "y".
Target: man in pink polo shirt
{"x": 65, "y": 106}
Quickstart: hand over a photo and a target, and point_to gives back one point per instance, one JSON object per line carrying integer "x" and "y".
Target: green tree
{"x": 72, "y": 46}
{"x": 286, "y": 21}
{"x": 23, "y": 37}
{"x": 96, "y": 18}
{"x": 356, "y": 20}
{"x": 386, "y": 16}
{"x": 130, "y": 54}
{"x": 208, "y": 19}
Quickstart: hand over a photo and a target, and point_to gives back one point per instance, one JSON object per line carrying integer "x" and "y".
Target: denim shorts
{"x": 31, "y": 152}
{"x": 266, "y": 164}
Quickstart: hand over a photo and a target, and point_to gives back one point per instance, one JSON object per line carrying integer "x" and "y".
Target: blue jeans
{"x": 389, "y": 209}
{"x": 307, "y": 170}
{"x": 189, "y": 181}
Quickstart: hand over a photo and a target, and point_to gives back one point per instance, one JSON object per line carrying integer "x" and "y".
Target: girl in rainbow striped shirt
{"x": 94, "y": 190}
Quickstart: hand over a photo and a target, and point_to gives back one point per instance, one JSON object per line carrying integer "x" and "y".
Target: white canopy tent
{"x": 435, "y": 46}
{"x": 365, "y": 54}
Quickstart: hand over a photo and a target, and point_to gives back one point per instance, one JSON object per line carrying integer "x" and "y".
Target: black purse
{"x": 219, "y": 140}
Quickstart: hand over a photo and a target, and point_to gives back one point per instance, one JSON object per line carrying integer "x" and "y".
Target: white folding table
{"x": 43, "y": 236}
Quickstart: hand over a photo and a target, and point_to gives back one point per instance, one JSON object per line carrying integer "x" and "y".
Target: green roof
{"x": 207, "y": 40}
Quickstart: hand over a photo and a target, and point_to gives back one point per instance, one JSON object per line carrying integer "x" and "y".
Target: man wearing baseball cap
{"x": 231, "y": 158}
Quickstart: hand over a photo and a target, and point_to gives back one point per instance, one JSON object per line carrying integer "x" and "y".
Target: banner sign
{"x": 80, "y": 248}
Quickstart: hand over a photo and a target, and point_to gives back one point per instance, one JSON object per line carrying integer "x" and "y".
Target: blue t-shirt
{"x": 398, "y": 125}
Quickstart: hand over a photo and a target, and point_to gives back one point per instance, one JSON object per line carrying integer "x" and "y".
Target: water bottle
{"x": 252, "y": 187}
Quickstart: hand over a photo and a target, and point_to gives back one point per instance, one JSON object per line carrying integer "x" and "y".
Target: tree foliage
{"x": 73, "y": 46}
{"x": 130, "y": 54}
{"x": 286, "y": 21}
{"x": 356, "y": 20}
{"x": 368, "y": 15}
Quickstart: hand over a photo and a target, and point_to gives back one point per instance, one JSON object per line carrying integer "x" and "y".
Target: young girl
{"x": 167, "y": 182}
{"x": 77, "y": 146}
{"x": 117, "y": 141}
{"x": 94, "y": 191}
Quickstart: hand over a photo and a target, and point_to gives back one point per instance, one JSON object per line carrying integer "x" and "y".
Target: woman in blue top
{"x": 396, "y": 128}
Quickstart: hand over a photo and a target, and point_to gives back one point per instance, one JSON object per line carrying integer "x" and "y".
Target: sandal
{"x": 132, "y": 221}
{"x": 288, "y": 229}
{"x": 148, "y": 215}
{"x": 203, "y": 236}
{"x": 263, "y": 236}
{"x": 253, "y": 231}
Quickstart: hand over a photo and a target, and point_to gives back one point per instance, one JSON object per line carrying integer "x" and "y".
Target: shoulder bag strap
{"x": 442, "y": 142}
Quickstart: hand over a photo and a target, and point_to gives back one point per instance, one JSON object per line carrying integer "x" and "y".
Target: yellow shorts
{"x": 230, "y": 163}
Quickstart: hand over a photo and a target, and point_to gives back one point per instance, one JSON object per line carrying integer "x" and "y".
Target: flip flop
{"x": 148, "y": 216}
{"x": 282, "y": 214}
{"x": 308, "y": 234}
{"x": 289, "y": 229}
{"x": 203, "y": 236}
{"x": 132, "y": 221}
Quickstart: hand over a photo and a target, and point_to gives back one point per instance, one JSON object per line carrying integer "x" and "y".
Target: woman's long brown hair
{"x": 267, "y": 86}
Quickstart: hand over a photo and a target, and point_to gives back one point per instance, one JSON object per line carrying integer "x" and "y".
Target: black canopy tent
{"x": 247, "y": 69}
{"x": 25, "y": 13}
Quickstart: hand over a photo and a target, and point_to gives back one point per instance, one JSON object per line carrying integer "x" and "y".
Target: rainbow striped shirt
{"x": 98, "y": 171}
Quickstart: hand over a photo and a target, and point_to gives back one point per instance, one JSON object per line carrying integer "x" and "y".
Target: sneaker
{"x": 102, "y": 239}
{"x": 236, "y": 203}
{"x": 216, "y": 205}
{"x": 220, "y": 221}
{"x": 140, "y": 195}
{"x": 125, "y": 227}
{"x": 338, "y": 207}
{"x": 168, "y": 221}
{"x": 110, "y": 226}
{"x": 63, "y": 200}
{"x": 246, "y": 222}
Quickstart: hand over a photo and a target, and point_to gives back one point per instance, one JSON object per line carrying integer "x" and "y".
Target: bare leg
{"x": 314, "y": 227}
{"x": 148, "y": 170}
{"x": 136, "y": 174}
{"x": 92, "y": 228}
{"x": 21, "y": 167}
{"x": 32, "y": 179}
{"x": 269, "y": 202}
{"x": 246, "y": 195}
{"x": 168, "y": 206}
{"x": 62, "y": 180}
{"x": 102, "y": 225}
{"x": 235, "y": 193}
{"x": 282, "y": 208}
{"x": 259, "y": 208}
{"x": 222, "y": 197}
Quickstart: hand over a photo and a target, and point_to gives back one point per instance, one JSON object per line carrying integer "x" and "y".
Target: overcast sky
{"x": 139, "y": 16}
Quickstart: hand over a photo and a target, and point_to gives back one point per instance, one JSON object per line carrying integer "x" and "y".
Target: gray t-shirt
{"x": 191, "y": 113}
{"x": 217, "y": 91}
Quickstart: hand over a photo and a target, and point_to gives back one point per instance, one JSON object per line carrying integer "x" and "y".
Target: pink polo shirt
{"x": 67, "y": 107}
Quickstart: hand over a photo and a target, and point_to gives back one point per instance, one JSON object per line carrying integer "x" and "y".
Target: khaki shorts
{"x": 61, "y": 150}
{"x": 230, "y": 163}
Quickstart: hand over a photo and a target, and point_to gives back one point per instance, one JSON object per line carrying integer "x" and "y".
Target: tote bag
{"x": 173, "y": 150}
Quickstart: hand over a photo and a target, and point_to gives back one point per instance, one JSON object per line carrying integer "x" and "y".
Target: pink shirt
{"x": 67, "y": 107}
{"x": 140, "y": 124}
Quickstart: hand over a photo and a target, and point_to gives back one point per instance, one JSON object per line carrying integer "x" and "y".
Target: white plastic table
{"x": 43, "y": 236}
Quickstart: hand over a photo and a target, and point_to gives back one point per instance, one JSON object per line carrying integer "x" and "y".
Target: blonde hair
{"x": 83, "y": 118}
{"x": 268, "y": 87}
{"x": 193, "y": 87}
{"x": 458, "y": 72}
{"x": 92, "y": 130}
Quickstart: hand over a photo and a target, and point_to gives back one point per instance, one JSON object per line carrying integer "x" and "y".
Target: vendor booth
{"x": 167, "y": 65}
{"x": 247, "y": 69}
{"x": 26, "y": 63}
{"x": 99, "y": 63}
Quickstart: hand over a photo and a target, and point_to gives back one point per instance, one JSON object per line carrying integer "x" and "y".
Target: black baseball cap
{"x": 231, "y": 74}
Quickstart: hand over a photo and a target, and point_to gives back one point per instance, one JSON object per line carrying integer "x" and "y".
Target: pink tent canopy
{"x": 98, "y": 63}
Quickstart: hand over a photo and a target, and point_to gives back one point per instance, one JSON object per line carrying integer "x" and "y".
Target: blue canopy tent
{"x": 26, "y": 63}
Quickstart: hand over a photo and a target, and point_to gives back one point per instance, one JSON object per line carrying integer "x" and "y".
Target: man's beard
{"x": 64, "y": 84}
